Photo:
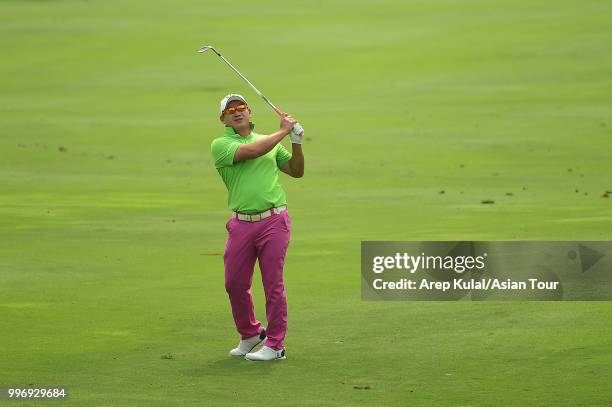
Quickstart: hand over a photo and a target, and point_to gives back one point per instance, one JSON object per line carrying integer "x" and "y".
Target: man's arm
{"x": 295, "y": 166}
{"x": 259, "y": 147}
{"x": 264, "y": 145}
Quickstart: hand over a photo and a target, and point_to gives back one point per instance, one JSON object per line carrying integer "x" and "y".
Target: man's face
{"x": 235, "y": 118}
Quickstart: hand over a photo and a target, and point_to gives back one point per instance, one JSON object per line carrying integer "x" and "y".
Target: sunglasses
{"x": 239, "y": 108}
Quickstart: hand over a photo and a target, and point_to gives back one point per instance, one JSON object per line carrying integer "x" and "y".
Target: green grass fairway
{"x": 112, "y": 215}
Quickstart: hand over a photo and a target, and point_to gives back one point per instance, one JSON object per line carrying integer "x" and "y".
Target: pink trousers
{"x": 266, "y": 241}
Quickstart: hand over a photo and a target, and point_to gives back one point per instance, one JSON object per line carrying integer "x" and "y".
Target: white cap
{"x": 230, "y": 98}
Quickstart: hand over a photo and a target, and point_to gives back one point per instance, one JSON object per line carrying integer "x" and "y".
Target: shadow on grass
{"x": 230, "y": 366}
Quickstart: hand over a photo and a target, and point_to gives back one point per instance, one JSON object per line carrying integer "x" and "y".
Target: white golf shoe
{"x": 247, "y": 345}
{"x": 265, "y": 354}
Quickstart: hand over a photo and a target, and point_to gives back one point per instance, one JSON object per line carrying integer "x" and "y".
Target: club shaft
{"x": 248, "y": 82}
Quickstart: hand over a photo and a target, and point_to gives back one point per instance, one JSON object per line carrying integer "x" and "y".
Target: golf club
{"x": 297, "y": 128}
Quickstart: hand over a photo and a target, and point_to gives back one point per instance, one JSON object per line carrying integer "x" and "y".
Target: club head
{"x": 206, "y": 48}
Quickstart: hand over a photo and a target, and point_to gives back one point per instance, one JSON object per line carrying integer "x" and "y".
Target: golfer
{"x": 260, "y": 227}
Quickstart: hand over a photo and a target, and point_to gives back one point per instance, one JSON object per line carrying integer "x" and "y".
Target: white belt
{"x": 259, "y": 216}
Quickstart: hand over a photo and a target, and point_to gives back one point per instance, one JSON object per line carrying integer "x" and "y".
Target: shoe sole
{"x": 269, "y": 360}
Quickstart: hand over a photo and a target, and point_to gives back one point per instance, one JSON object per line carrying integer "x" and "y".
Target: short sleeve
{"x": 282, "y": 155}
{"x": 223, "y": 150}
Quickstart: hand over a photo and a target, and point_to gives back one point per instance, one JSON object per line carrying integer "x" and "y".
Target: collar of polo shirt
{"x": 229, "y": 131}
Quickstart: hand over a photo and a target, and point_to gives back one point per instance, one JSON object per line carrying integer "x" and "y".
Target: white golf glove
{"x": 297, "y": 132}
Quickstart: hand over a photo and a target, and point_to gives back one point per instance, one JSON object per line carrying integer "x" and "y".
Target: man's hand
{"x": 296, "y": 138}
{"x": 297, "y": 132}
{"x": 287, "y": 123}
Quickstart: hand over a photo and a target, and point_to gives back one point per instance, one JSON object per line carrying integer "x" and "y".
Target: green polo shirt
{"x": 252, "y": 185}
